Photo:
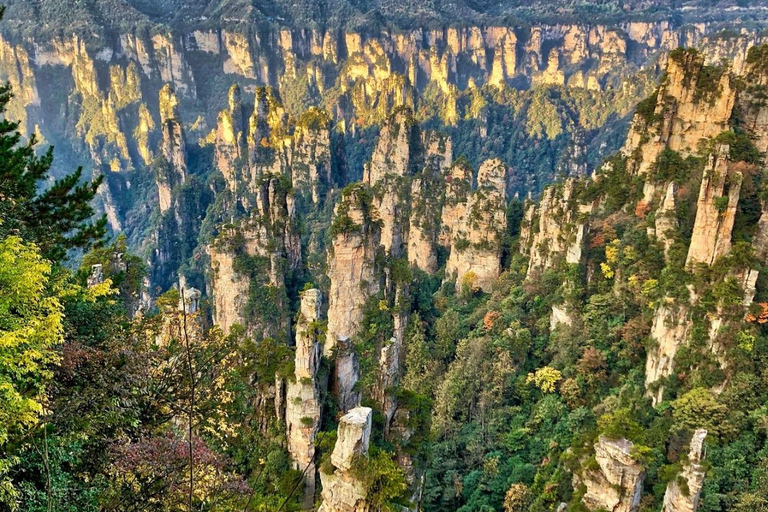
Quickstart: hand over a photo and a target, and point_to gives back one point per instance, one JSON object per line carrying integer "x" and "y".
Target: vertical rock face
{"x": 352, "y": 266}
{"x": 388, "y": 176}
{"x": 753, "y": 106}
{"x": 231, "y": 140}
{"x": 550, "y": 231}
{"x": 172, "y": 147}
{"x": 311, "y": 155}
{"x": 694, "y": 106}
{"x": 342, "y": 491}
{"x": 475, "y": 257}
{"x": 716, "y": 210}
{"x": 355, "y": 277}
{"x": 671, "y": 325}
{"x": 458, "y": 186}
{"x": 666, "y": 218}
{"x": 690, "y": 106}
{"x": 229, "y": 288}
{"x": 425, "y": 202}
{"x": 251, "y": 260}
{"x": 683, "y": 492}
{"x": 617, "y": 482}
{"x": 388, "y": 378}
{"x": 302, "y": 399}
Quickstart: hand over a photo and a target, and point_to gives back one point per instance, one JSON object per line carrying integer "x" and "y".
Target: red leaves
{"x": 761, "y": 317}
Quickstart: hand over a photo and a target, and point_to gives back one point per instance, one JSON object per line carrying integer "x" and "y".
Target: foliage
{"x": 698, "y": 408}
{"x": 383, "y": 480}
{"x": 545, "y": 379}
{"x": 56, "y": 219}
{"x": 30, "y": 326}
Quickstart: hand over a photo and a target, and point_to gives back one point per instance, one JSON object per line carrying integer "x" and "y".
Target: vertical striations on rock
{"x": 388, "y": 175}
{"x": 173, "y": 147}
{"x": 617, "y": 481}
{"x": 355, "y": 277}
{"x": 230, "y": 148}
{"x": 342, "y": 489}
{"x": 302, "y": 405}
{"x": 553, "y": 230}
{"x": 251, "y": 260}
{"x": 715, "y": 210}
{"x": 475, "y": 258}
{"x": 684, "y": 490}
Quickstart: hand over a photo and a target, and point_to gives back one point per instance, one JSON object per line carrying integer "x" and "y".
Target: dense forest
{"x": 392, "y": 293}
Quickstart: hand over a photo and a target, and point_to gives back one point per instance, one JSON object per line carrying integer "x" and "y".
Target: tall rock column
{"x": 251, "y": 260}
{"x": 342, "y": 490}
{"x": 671, "y": 325}
{"x": 231, "y": 148}
{"x": 424, "y": 228}
{"x": 475, "y": 257}
{"x": 458, "y": 187}
{"x": 552, "y": 230}
{"x": 617, "y": 482}
{"x": 302, "y": 405}
{"x": 715, "y": 211}
{"x": 172, "y": 146}
{"x": 355, "y": 277}
{"x": 677, "y": 498}
{"x": 388, "y": 176}
{"x": 311, "y": 155}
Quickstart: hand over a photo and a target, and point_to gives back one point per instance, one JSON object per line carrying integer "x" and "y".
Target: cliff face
{"x": 716, "y": 210}
{"x": 111, "y": 76}
{"x": 230, "y": 141}
{"x": 302, "y": 397}
{"x": 683, "y": 492}
{"x": 342, "y": 490}
{"x": 355, "y": 276}
{"x": 251, "y": 261}
{"x": 172, "y": 147}
{"x": 690, "y": 106}
{"x": 475, "y": 259}
{"x": 617, "y": 482}
{"x": 552, "y": 230}
{"x": 388, "y": 175}
{"x": 695, "y": 115}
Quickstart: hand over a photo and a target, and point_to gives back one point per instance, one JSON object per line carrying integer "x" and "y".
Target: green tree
{"x": 57, "y": 219}
{"x": 698, "y": 408}
{"x": 30, "y": 326}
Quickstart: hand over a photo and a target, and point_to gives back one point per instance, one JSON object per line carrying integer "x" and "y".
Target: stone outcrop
{"x": 684, "y": 490}
{"x": 388, "y": 173}
{"x": 716, "y": 210}
{"x": 617, "y": 482}
{"x": 389, "y": 369}
{"x": 552, "y": 231}
{"x": 230, "y": 140}
{"x": 172, "y": 147}
{"x": 426, "y": 196}
{"x": 475, "y": 258}
{"x": 311, "y": 158}
{"x": 302, "y": 397}
{"x": 250, "y": 262}
{"x": 355, "y": 277}
{"x": 342, "y": 490}
{"x": 687, "y": 110}
{"x": 671, "y": 325}
{"x": 458, "y": 186}
{"x": 666, "y": 218}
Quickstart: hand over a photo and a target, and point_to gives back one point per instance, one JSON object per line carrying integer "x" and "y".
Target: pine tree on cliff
{"x": 57, "y": 219}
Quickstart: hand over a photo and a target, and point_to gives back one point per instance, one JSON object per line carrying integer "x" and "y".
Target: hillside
{"x": 509, "y": 266}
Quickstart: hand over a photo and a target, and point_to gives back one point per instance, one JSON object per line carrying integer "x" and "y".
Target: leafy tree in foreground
{"x": 30, "y": 325}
